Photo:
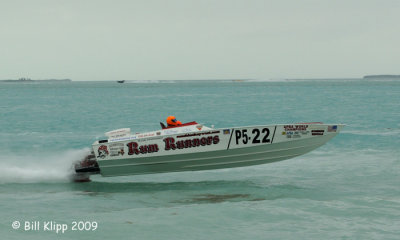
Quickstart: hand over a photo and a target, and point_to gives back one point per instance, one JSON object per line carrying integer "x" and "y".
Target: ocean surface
{"x": 347, "y": 189}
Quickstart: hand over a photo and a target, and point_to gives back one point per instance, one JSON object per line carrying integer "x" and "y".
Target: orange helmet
{"x": 171, "y": 120}
{"x": 178, "y": 123}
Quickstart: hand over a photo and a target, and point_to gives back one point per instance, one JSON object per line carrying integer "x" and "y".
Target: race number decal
{"x": 252, "y": 136}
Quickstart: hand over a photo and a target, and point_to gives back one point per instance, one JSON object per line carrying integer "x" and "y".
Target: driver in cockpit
{"x": 172, "y": 122}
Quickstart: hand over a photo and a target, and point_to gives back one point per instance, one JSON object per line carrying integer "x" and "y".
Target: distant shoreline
{"x": 366, "y": 77}
{"x": 381, "y": 76}
{"x": 23, "y": 80}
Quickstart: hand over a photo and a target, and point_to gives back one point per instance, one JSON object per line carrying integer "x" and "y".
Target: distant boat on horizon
{"x": 121, "y": 81}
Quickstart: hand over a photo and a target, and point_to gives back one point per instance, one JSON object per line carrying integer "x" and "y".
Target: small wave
{"x": 55, "y": 167}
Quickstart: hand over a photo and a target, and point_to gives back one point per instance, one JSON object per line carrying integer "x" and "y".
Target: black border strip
{"x": 230, "y": 139}
{"x": 273, "y": 135}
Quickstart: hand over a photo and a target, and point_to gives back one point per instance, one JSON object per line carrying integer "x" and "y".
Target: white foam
{"x": 36, "y": 167}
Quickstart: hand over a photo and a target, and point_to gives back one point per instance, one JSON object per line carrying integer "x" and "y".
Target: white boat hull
{"x": 163, "y": 151}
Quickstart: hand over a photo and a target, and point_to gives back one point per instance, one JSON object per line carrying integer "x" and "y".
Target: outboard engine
{"x": 86, "y": 167}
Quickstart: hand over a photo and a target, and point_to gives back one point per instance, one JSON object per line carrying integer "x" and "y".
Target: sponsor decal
{"x": 146, "y": 135}
{"x": 317, "y": 132}
{"x": 177, "y": 131}
{"x": 295, "y": 127}
{"x": 295, "y": 134}
{"x": 199, "y": 127}
{"x": 135, "y": 148}
{"x": 118, "y": 133}
{"x": 148, "y": 139}
{"x": 122, "y": 139}
{"x": 332, "y": 128}
{"x": 170, "y": 131}
{"x": 171, "y": 144}
{"x": 158, "y": 133}
{"x": 116, "y": 149}
{"x": 197, "y": 134}
{"x": 292, "y": 134}
{"x": 103, "y": 151}
{"x": 226, "y": 131}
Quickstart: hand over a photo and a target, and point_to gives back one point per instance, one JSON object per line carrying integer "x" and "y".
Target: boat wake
{"x": 51, "y": 167}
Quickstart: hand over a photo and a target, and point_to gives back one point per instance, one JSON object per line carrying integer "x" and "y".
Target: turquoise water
{"x": 347, "y": 189}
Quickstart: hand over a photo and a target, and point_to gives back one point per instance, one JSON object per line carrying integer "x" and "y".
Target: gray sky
{"x": 155, "y": 39}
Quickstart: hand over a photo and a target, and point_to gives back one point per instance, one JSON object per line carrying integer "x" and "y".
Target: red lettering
{"x": 209, "y": 140}
{"x": 169, "y": 143}
{"x": 132, "y": 148}
{"x": 196, "y": 142}
{"x": 153, "y": 148}
{"x": 180, "y": 144}
{"x": 188, "y": 143}
{"x": 216, "y": 139}
{"x": 203, "y": 141}
{"x": 143, "y": 149}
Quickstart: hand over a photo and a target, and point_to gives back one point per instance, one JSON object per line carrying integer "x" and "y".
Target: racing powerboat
{"x": 193, "y": 147}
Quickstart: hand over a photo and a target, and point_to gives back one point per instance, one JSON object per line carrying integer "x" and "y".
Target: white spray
{"x": 53, "y": 167}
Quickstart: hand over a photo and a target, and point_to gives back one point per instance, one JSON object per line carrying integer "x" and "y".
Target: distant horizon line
{"x": 379, "y": 76}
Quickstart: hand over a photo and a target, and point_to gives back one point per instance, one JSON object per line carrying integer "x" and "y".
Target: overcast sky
{"x": 220, "y": 39}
